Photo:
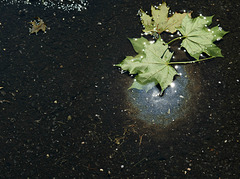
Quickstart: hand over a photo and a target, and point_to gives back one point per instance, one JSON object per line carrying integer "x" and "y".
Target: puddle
{"x": 66, "y": 111}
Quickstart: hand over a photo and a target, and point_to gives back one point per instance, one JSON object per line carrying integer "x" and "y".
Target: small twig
{"x": 140, "y": 139}
{"x": 4, "y": 101}
{"x": 139, "y": 161}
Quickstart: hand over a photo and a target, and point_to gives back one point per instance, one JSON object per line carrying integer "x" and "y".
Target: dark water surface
{"x": 65, "y": 110}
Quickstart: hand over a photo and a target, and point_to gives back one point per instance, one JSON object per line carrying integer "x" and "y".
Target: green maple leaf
{"x": 151, "y": 64}
{"x": 160, "y": 21}
{"x": 198, "y": 38}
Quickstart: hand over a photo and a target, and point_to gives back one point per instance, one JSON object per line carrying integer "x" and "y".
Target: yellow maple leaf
{"x": 159, "y": 21}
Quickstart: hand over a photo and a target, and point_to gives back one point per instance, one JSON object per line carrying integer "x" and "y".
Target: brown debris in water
{"x": 37, "y": 26}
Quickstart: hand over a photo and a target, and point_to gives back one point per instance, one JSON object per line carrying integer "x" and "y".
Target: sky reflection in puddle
{"x": 66, "y": 5}
{"x": 154, "y": 109}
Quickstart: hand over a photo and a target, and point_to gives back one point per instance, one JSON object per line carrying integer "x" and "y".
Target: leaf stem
{"x": 193, "y": 61}
{"x": 181, "y": 37}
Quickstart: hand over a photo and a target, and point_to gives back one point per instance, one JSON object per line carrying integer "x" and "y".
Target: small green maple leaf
{"x": 151, "y": 64}
{"x": 198, "y": 38}
{"x": 160, "y": 21}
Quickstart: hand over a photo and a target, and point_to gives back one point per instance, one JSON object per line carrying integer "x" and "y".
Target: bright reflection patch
{"x": 65, "y": 5}
{"x": 154, "y": 109}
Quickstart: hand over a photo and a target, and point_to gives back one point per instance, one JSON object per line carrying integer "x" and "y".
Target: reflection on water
{"x": 66, "y": 5}
{"x": 163, "y": 110}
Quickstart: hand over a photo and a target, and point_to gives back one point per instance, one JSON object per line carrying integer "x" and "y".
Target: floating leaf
{"x": 151, "y": 65}
{"x": 138, "y": 44}
{"x": 140, "y": 86}
{"x": 198, "y": 38}
{"x": 37, "y": 26}
{"x": 160, "y": 21}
